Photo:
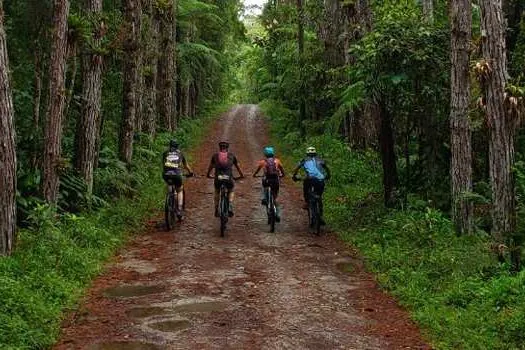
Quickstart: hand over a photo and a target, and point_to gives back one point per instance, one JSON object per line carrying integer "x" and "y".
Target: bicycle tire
{"x": 271, "y": 211}
{"x": 224, "y": 206}
{"x": 317, "y": 223}
{"x": 168, "y": 211}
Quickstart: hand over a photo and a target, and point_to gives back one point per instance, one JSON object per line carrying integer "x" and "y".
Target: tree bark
{"x": 151, "y": 68}
{"x": 167, "y": 70}
{"x": 388, "y": 156}
{"x": 87, "y": 127}
{"x": 57, "y": 98}
{"x": 7, "y": 150}
{"x": 500, "y": 123}
{"x": 461, "y": 148}
{"x": 132, "y": 13}
{"x": 300, "y": 49}
{"x": 428, "y": 10}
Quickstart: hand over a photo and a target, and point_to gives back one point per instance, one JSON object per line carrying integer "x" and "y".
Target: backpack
{"x": 270, "y": 168}
{"x": 223, "y": 160}
{"x": 173, "y": 161}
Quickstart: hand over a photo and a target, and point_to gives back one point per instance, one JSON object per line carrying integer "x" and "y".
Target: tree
{"x": 132, "y": 19}
{"x": 428, "y": 10}
{"x": 166, "y": 66}
{"x": 87, "y": 127}
{"x": 57, "y": 98}
{"x": 493, "y": 75}
{"x": 461, "y": 148}
{"x": 151, "y": 58}
{"x": 7, "y": 150}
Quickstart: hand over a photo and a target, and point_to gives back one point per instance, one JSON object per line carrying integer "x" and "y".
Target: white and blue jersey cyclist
{"x": 316, "y": 172}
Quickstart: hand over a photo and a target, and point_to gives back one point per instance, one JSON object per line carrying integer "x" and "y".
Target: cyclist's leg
{"x": 216, "y": 197}
{"x": 264, "y": 184}
{"x": 307, "y": 183}
{"x": 319, "y": 190}
{"x": 180, "y": 195}
{"x": 275, "y": 194}
{"x": 231, "y": 196}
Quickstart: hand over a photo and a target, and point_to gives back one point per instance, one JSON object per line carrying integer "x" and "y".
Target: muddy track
{"x": 192, "y": 289}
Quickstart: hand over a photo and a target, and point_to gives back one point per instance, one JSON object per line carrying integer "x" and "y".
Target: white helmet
{"x": 311, "y": 151}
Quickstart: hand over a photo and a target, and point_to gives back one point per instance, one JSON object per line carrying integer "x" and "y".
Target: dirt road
{"x": 192, "y": 289}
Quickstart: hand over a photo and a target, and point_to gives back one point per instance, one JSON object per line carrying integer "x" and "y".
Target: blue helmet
{"x": 269, "y": 151}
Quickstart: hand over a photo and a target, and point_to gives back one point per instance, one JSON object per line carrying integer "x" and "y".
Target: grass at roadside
{"x": 455, "y": 290}
{"x": 58, "y": 255}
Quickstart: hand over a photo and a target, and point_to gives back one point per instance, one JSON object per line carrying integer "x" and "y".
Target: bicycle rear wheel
{"x": 169, "y": 211}
{"x": 224, "y": 206}
{"x": 271, "y": 211}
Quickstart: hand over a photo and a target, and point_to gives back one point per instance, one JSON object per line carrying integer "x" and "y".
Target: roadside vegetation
{"x": 369, "y": 85}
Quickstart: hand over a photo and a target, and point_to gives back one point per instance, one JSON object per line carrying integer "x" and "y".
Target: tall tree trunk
{"x": 151, "y": 63}
{"x": 461, "y": 148}
{"x": 57, "y": 98}
{"x": 87, "y": 127}
{"x": 500, "y": 123}
{"x": 132, "y": 14}
{"x": 37, "y": 98}
{"x": 388, "y": 156}
{"x": 7, "y": 150}
{"x": 166, "y": 75}
{"x": 300, "y": 48}
{"x": 428, "y": 10}
{"x": 72, "y": 54}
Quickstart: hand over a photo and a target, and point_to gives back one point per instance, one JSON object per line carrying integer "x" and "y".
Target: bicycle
{"x": 224, "y": 201}
{"x": 315, "y": 206}
{"x": 271, "y": 208}
{"x": 171, "y": 207}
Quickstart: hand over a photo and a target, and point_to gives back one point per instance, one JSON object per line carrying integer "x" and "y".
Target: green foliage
{"x": 59, "y": 253}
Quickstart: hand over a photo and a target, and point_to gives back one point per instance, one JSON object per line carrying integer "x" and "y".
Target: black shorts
{"x": 229, "y": 184}
{"x": 173, "y": 180}
{"x": 317, "y": 184}
{"x": 273, "y": 183}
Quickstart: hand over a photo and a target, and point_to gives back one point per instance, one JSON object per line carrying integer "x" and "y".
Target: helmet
{"x": 269, "y": 151}
{"x": 224, "y": 145}
{"x": 174, "y": 143}
{"x": 310, "y": 151}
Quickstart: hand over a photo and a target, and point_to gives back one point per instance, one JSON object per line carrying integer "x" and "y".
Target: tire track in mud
{"x": 191, "y": 289}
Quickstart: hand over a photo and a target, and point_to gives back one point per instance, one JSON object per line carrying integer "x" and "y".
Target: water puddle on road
{"x": 345, "y": 267}
{"x": 132, "y": 291}
{"x": 207, "y": 306}
{"x": 144, "y": 312}
{"x": 124, "y": 346}
{"x": 171, "y": 325}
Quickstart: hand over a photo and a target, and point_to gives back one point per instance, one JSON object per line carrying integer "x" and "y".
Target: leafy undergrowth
{"x": 59, "y": 254}
{"x": 453, "y": 287}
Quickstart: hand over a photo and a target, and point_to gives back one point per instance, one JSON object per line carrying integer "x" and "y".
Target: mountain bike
{"x": 315, "y": 206}
{"x": 271, "y": 208}
{"x": 172, "y": 212}
{"x": 224, "y": 200}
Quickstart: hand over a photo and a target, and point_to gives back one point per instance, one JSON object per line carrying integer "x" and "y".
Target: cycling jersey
{"x": 313, "y": 167}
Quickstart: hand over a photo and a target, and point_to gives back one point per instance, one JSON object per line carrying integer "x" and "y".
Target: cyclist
{"x": 316, "y": 173}
{"x": 273, "y": 169}
{"x": 222, "y": 162}
{"x": 173, "y": 162}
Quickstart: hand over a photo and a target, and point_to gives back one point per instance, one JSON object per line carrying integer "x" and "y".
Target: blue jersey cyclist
{"x": 316, "y": 173}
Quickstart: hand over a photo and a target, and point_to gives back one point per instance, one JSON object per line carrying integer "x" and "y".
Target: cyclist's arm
{"x": 237, "y": 166}
{"x": 298, "y": 167}
{"x": 211, "y": 166}
{"x": 257, "y": 171}
{"x": 281, "y": 168}
{"x": 186, "y": 165}
{"x": 328, "y": 174}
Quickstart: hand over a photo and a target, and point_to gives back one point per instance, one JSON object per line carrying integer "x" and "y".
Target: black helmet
{"x": 224, "y": 145}
{"x": 174, "y": 143}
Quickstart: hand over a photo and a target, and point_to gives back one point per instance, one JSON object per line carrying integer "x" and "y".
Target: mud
{"x": 249, "y": 290}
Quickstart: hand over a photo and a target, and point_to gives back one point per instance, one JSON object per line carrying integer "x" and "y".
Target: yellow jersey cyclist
{"x": 273, "y": 170}
{"x": 173, "y": 162}
{"x": 316, "y": 172}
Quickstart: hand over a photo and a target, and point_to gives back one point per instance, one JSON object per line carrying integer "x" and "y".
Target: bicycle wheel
{"x": 168, "y": 211}
{"x": 271, "y": 211}
{"x": 224, "y": 206}
{"x": 317, "y": 223}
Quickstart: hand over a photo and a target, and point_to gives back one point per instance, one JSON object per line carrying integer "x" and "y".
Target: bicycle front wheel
{"x": 224, "y": 207}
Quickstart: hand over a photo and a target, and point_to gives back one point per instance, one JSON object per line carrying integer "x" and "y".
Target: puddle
{"x": 143, "y": 312}
{"x": 207, "y": 306}
{"x": 132, "y": 291}
{"x": 345, "y": 267}
{"x": 124, "y": 346}
{"x": 171, "y": 325}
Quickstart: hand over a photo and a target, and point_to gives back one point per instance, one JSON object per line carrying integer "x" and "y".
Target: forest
{"x": 416, "y": 104}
